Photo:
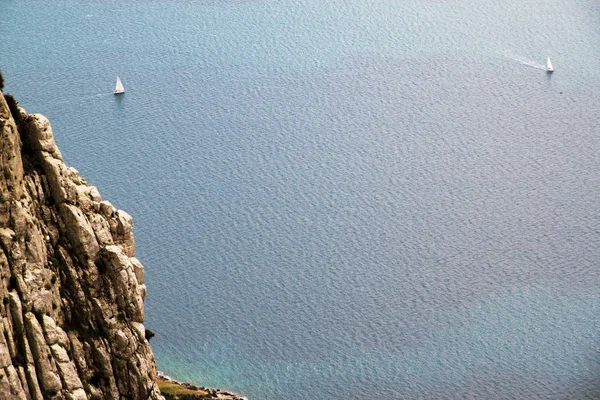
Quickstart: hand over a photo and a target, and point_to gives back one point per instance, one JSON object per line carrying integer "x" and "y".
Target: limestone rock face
{"x": 72, "y": 312}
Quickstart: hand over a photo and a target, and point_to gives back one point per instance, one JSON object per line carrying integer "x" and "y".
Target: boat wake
{"x": 82, "y": 99}
{"x": 522, "y": 61}
{"x": 89, "y": 97}
{"x": 98, "y": 95}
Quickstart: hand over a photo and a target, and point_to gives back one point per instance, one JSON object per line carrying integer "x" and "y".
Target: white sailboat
{"x": 549, "y": 68}
{"x": 119, "y": 87}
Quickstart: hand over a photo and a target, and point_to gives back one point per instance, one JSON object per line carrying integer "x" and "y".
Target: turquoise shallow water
{"x": 341, "y": 199}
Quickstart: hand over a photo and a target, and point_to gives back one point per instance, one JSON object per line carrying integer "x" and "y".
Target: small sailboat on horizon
{"x": 119, "y": 89}
{"x": 549, "y": 68}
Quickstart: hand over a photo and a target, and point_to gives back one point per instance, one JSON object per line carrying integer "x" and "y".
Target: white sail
{"x": 119, "y": 87}
{"x": 549, "y": 65}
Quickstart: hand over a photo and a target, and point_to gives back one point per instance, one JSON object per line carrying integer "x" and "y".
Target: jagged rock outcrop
{"x": 72, "y": 292}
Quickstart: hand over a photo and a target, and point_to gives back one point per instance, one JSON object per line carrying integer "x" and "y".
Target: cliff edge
{"x": 72, "y": 291}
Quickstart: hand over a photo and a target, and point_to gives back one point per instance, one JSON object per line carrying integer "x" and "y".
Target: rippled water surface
{"x": 341, "y": 199}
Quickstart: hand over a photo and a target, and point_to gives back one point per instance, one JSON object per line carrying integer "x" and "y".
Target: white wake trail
{"x": 526, "y": 62}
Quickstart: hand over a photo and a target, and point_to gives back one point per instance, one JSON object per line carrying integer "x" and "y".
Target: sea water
{"x": 341, "y": 199}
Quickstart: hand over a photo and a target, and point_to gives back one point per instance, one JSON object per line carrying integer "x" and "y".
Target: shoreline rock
{"x": 217, "y": 393}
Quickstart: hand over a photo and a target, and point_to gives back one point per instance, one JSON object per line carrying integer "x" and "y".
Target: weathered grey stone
{"x": 23, "y": 379}
{"x": 50, "y": 330}
{"x": 44, "y": 367}
{"x": 141, "y": 291}
{"x": 5, "y": 359}
{"x": 54, "y": 334}
{"x": 140, "y": 330}
{"x": 66, "y": 368}
{"x": 37, "y": 135}
{"x": 67, "y": 257}
{"x": 12, "y": 164}
{"x": 122, "y": 343}
{"x": 7, "y": 237}
{"x": 59, "y": 353}
{"x": 104, "y": 366}
{"x": 35, "y": 246}
{"x": 5, "y": 384}
{"x": 138, "y": 269}
{"x": 95, "y": 194}
{"x": 9, "y": 338}
{"x": 101, "y": 228}
{"x": 125, "y": 282}
{"x": 78, "y": 354}
{"x": 107, "y": 209}
{"x": 73, "y": 279}
{"x": 37, "y": 280}
{"x": 62, "y": 188}
{"x": 16, "y": 388}
{"x": 84, "y": 201}
{"x": 16, "y": 311}
{"x": 79, "y": 231}
{"x": 33, "y": 383}
{"x": 121, "y": 227}
{"x": 77, "y": 394}
{"x": 73, "y": 174}
{"x": 19, "y": 217}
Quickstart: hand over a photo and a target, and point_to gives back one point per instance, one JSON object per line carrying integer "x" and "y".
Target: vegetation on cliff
{"x": 174, "y": 390}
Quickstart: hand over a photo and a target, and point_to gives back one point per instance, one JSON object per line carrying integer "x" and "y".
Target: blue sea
{"x": 341, "y": 199}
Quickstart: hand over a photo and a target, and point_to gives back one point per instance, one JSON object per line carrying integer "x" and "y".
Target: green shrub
{"x": 50, "y": 393}
{"x": 101, "y": 265}
{"x": 12, "y": 283}
{"x": 38, "y": 315}
{"x": 97, "y": 378}
{"x": 149, "y": 334}
{"x": 13, "y": 106}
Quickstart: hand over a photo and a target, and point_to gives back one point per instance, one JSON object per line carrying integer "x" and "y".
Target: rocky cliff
{"x": 72, "y": 291}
